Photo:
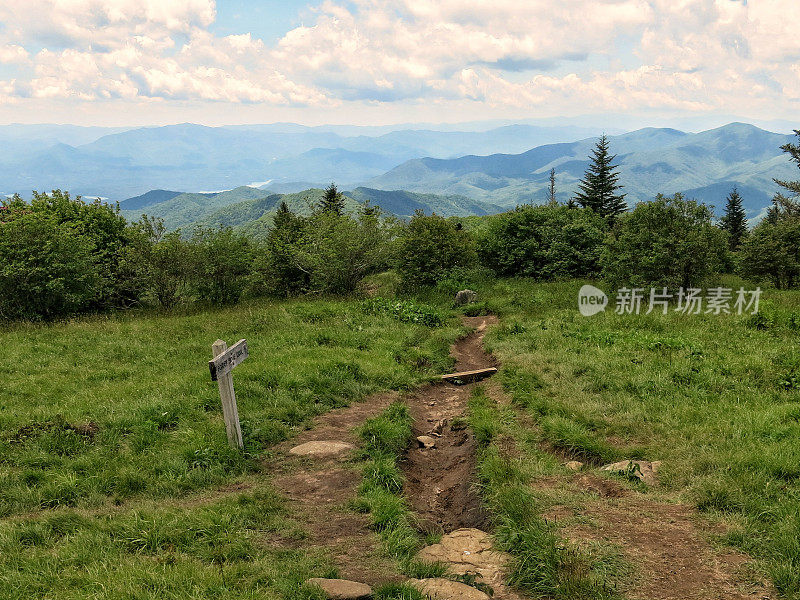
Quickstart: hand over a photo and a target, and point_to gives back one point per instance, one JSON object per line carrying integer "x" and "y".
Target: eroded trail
{"x": 440, "y": 479}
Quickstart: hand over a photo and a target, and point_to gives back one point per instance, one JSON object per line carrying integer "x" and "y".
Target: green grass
{"x": 715, "y": 398}
{"x": 104, "y": 409}
{"x": 112, "y": 445}
{"x": 544, "y": 566}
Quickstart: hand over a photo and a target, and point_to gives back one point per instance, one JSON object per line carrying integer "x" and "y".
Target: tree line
{"x": 62, "y": 256}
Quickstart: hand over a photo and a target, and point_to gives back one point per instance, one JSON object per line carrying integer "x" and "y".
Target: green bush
{"x": 543, "y": 242}
{"x": 406, "y": 311}
{"x": 669, "y": 242}
{"x": 223, "y": 265}
{"x": 431, "y": 247}
{"x": 772, "y": 253}
{"x": 48, "y": 269}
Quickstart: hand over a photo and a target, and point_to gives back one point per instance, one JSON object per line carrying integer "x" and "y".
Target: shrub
{"x": 405, "y": 311}
{"x": 543, "y": 242}
{"x": 669, "y": 242}
{"x": 772, "y": 253}
{"x": 430, "y": 247}
{"x": 48, "y": 269}
{"x": 223, "y": 264}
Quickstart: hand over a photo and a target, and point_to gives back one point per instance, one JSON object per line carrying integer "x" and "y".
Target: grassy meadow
{"x": 112, "y": 442}
{"x": 716, "y": 398}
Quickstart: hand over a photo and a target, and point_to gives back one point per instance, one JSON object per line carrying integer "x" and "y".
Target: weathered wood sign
{"x": 221, "y": 367}
{"x": 225, "y": 362}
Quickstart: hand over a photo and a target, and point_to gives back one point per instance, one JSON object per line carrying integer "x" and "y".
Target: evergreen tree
{"x": 599, "y": 187}
{"x": 735, "y": 220}
{"x": 332, "y": 201}
{"x": 551, "y": 190}
{"x": 789, "y": 206}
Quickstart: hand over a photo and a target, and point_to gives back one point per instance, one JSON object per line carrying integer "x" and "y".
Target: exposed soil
{"x": 320, "y": 490}
{"x": 440, "y": 481}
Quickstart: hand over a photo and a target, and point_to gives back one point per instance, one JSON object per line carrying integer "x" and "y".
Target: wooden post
{"x": 228, "y": 397}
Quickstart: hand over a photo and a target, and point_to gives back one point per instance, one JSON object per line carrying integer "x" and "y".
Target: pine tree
{"x": 789, "y": 206}
{"x": 283, "y": 216}
{"x": 332, "y": 201}
{"x": 551, "y": 190}
{"x": 735, "y": 220}
{"x": 599, "y": 187}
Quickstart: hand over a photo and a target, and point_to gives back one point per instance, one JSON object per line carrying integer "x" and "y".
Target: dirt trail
{"x": 440, "y": 480}
{"x": 321, "y": 488}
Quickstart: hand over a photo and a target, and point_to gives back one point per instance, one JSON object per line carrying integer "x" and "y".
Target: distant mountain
{"x": 704, "y": 165}
{"x": 251, "y": 210}
{"x": 117, "y": 164}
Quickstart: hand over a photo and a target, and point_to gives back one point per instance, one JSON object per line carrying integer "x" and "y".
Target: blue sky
{"x": 649, "y": 62}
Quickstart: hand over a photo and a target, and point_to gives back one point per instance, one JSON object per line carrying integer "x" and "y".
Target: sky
{"x": 377, "y": 62}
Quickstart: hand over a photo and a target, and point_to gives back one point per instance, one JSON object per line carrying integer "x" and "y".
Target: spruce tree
{"x": 599, "y": 188}
{"x": 789, "y": 206}
{"x": 551, "y": 190}
{"x": 735, "y": 220}
{"x": 332, "y": 201}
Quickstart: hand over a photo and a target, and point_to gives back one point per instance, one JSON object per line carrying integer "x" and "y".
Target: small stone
{"x": 574, "y": 465}
{"x": 643, "y": 470}
{"x": 465, "y": 297}
{"x": 439, "y": 427}
{"x": 426, "y": 441}
{"x": 342, "y": 589}
{"x": 444, "y": 589}
{"x": 322, "y": 449}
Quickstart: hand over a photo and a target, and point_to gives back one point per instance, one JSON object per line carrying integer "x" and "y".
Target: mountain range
{"x": 116, "y": 163}
{"x": 703, "y": 165}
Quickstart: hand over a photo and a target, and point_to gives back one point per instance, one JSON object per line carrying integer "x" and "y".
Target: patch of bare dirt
{"x": 321, "y": 488}
{"x": 669, "y": 546}
{"x": 440, "y": 481}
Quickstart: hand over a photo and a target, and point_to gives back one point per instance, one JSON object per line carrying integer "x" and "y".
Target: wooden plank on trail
{"x": 229, "y": 358}
{"x": 469, "y": 376}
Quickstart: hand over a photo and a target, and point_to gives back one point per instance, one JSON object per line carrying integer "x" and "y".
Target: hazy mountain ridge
{"x": 704, "y": 165}
{"x": 118, "y": 164}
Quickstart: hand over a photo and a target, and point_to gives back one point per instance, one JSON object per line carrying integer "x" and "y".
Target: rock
{"x": 439, "y": 427}
{"x": 574, "y": 465}
{"x": 342, "y": 589}
{"x": 465, "y": 297}
{"x": 322, "y": 449}
{"x": 643, "y": 470}
{"x": 444, "y": 589}
{"x": 469, "y": 551}
{"x": 426, "y": 441}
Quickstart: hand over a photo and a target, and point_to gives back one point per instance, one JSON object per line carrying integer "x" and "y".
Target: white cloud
{"x": 571, "y": 56}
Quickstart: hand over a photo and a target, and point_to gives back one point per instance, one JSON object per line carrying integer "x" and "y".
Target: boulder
{"x": 444, "y": 589}
{"x": 342, "y": 589}
{"x": 643, "y": 470}
{"x": 465, "y": 297}
{"x": 468, "y": 551}
{"x": 322, "y": 449}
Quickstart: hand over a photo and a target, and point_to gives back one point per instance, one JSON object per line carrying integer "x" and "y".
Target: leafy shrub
{"x": 431, "y": 247}
{"x": 543, "y": 242}
{"x": 772, "y": 253}
{"x": 669, "y": 242}
{"x": 405, "y": 311}
{"x": 48, "y": 269}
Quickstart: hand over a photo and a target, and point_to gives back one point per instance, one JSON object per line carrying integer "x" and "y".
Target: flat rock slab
{"x": 342, "y": 589}
{"x": 643, "y": 470}
{"x": 322, "y": 449}
{"x": 444, "y": 589}
{"x": 426, "y": 441}
{"x": 469, "y": 551}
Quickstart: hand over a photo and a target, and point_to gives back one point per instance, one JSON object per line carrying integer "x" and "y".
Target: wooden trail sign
{"x": 221, "y": 367}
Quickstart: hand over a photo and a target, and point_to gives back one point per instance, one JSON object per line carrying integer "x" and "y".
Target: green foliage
{"x": 772, "y": 252}
{"x": 430, "y": 247}
{"x": 332, "y": 201}
{"x": 48, "y": 268}
{"x": 223, "y": 263}
{"x": 600, "y": 184}
{"x": 543, "y": 242}
{"x": 734, "y": 221}
{"x": 405, "y": 311}
{"x": 276, "y": 271}
{"x": 669, "y": 242}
